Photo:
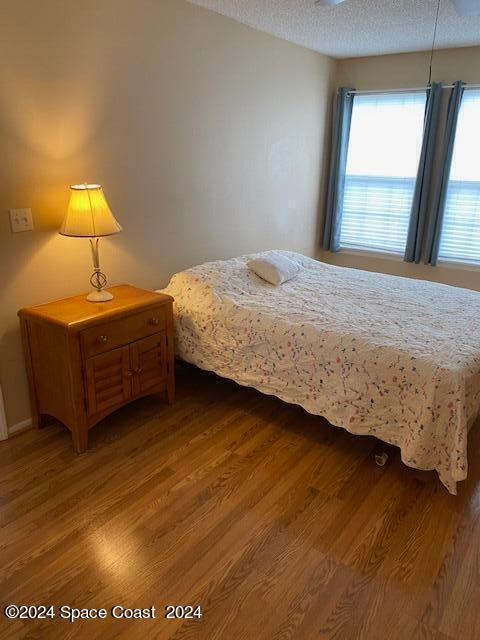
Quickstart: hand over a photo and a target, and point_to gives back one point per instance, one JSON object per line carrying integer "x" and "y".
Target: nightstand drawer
{"x": 117, "y": 333}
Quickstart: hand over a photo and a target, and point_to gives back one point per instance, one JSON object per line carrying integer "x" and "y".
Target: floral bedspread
{"x": 392, "y": 357}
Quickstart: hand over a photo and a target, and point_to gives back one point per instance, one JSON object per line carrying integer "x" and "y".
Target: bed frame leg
{"x": 381, "y": 458}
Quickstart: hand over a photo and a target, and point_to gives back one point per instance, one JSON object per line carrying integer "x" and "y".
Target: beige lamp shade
{"x": 88, "y": 214}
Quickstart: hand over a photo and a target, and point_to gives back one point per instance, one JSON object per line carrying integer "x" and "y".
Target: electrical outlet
{"x": 21, "y": 220}
{"x": 292, "y": 205}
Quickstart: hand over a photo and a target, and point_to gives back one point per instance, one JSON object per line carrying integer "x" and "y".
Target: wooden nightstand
{"x": 84, "y": 359}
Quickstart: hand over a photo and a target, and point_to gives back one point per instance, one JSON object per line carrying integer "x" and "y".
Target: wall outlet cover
{"x": 21, "y": 220}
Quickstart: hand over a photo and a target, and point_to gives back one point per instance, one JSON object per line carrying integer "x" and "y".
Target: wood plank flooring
{"x": 277, "y": 524}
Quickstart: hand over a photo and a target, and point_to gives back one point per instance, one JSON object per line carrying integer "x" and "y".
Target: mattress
{"x": 379, "y": 355}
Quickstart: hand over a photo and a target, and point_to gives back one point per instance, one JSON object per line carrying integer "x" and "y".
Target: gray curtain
{"x": 338, "y": 164}
{"x": 436, "y": 221}
{"x": 413, "y": 250}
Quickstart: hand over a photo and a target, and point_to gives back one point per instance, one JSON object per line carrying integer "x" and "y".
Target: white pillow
{"x": 274, "y": 268}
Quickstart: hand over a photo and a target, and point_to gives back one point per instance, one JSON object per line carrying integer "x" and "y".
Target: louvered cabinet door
{"x": 108, "y": 380}
{"x": 149, "y": 364}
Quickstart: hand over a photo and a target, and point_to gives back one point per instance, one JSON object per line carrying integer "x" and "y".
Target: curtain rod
{"x": 410, "y": 90}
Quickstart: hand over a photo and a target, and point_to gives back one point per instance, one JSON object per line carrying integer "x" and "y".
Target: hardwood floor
{"x": 277, "y": 524}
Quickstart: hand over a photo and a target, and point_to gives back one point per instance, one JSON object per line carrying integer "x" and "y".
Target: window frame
{"x": 378, "y": 251}
{"x": 457, "y": 260}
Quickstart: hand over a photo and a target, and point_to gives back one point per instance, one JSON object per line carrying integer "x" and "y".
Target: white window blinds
{"x": 382, "y": 163}
{"x": 460, "y": 239}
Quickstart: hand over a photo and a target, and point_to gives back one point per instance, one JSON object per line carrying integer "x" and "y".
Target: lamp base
{"x": 99, "y": 296}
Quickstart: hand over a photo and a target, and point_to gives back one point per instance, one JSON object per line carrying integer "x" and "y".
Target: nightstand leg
{"x": 38, "y": 421}
{"x": 80, "y": 440}
{"x": 170, "y": 390}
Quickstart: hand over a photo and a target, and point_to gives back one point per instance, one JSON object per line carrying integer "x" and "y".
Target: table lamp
{"x": 89, "y": 216}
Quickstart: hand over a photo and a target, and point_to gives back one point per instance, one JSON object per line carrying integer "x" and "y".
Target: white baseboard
{"x": 20, "y": 426}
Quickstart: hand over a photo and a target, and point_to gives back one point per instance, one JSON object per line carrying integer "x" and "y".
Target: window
{"x": 383, "y": 155}
{"x": 460, "y": 239}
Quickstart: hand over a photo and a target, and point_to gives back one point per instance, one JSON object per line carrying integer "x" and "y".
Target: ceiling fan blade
{"x": 327, "y": 3}
{"x": 467, "y": 7}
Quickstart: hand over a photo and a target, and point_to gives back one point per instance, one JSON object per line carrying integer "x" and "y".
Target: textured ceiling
{"x": 355, "y": 27}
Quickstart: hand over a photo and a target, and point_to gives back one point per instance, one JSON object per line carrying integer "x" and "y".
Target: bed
{"x": 381, "y": 355}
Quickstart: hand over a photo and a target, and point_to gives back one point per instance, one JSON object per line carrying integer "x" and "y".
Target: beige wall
{"x": 200, "y": 129}
{"x": 408, "y": 70}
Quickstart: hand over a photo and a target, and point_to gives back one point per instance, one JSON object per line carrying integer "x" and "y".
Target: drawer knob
{"x": 138, "y": 371}
{"x": 153, "y": 321}
{"x": 129, "y": 373}
{"x": 102, "y": 339}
